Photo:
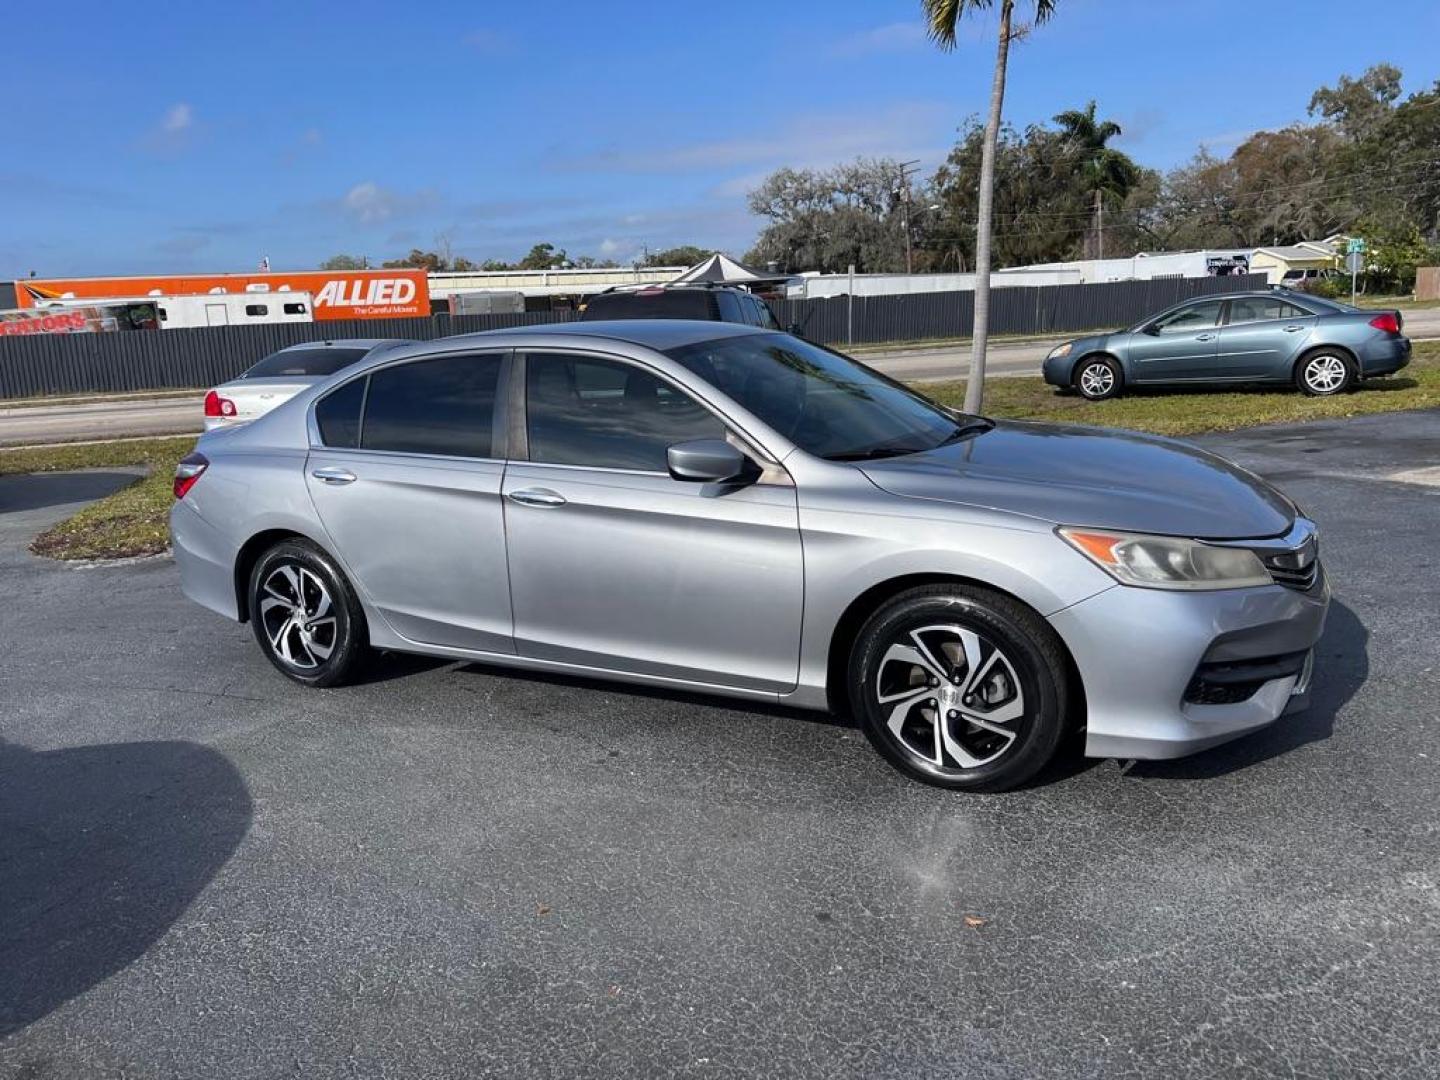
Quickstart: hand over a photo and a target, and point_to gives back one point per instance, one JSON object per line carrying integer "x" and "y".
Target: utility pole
{"x": 1099, "y": 224}
{"x": 906, "y": 168}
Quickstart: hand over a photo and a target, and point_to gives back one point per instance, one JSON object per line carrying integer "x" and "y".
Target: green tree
{"x": 542, "y": 257}
{"x": 1105, "y": 172}
{"x": 684, "y": 255}
{"x": 942, "y": 18}
{"x": 420, "y": 260}
{"x": 829, "y": 219}
{"x": 344, "y": 262}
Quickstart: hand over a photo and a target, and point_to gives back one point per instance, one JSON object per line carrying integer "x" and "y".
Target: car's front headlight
{"x": 1060, "y": 350}
{"x": 1168, "y": 562}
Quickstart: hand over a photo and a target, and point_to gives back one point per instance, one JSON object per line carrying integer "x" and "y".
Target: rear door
{"x": 1261, "y": 337}
{"x": 1178, "y": 346}
{"x": 405, "y": 476}
{"x": 615, "y": 565}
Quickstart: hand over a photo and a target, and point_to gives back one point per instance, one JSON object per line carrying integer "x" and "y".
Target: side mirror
{"x": 795, "y": 330}
{"x": 706, "y": 461}
{"x": 1153, "y": 330}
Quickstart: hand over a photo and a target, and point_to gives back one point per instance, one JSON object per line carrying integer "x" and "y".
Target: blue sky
{"x": 202, "y": 136}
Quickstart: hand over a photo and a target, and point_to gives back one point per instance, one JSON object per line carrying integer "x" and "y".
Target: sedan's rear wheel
{"x": 960, "y": 687}
{"x": 306, "y": 618}
{"x": 1324, "y": 373}
{"x": 1098, "y": 378}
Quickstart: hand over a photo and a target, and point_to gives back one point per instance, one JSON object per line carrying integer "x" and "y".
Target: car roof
{"x": 652, "y": 333}
{"x": 346, "y": 343}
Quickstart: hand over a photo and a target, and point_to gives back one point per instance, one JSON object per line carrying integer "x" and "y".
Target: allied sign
{"x": 1356, "y": 246}
{"x": 338, "y": 294}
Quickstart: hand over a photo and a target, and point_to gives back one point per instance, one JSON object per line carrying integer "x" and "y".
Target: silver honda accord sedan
{"x": 720, "y": 508}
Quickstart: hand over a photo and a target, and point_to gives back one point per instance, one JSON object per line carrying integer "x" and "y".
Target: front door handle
{"x": 1293, "y": 329}
{"x": 333, "y": 474}
{"x": 1205, "y": 337}
{"x": 542, "y": 497}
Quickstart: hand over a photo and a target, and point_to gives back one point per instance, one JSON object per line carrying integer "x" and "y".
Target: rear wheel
{"x": 1098, "y": 378}
{"x": 1324, "y": 373}
{"x": 960, "y": 687}
{"x": 306, "y": 618}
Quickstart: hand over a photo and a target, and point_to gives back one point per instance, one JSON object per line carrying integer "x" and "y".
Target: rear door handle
{"x": 333, "y": 474}
{"x": 542, "y": 497}
{"x": 1205, "y": 337}
{"x": 1293, "y": 329}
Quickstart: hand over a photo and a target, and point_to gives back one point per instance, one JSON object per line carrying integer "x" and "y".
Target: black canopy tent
{"x": 720, "y": 269}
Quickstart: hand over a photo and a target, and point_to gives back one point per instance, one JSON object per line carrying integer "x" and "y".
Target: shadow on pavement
{"x": 1342, "y": 664}
{"x": 33, "y": 491}
{"x": 102, "y": 848}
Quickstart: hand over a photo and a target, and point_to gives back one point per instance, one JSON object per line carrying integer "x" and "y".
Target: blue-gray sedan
{"x": 722, "y": 508}
{"x": 1320, "y": 346}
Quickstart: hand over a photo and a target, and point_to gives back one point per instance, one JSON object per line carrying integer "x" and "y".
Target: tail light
{"x": 1388, "y": 321}
{"x": 215, "y": 405}
{"x": 190, "y": 469}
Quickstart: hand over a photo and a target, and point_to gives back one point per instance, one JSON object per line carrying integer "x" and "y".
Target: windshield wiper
{"x": 872, "y": 454}
{"x": 978, "y": 426}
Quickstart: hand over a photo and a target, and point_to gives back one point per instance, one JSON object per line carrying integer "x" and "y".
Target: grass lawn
{"x": 130, "y": 522}
{"x": 133, "y": 521}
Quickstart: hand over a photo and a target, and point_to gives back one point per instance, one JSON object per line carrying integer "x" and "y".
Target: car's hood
{"x": 1090, "y": 476}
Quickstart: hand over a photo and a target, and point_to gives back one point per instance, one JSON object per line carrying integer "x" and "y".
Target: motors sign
{"x": 338, "y": 294}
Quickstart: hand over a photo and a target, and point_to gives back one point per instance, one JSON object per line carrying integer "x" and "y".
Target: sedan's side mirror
{"x": 706, "y": 461}
{"x": 1153, "y": 330}
{"x": 795, "y": 330}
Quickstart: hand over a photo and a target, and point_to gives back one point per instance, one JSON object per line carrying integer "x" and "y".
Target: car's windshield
{"x": 825, "y": 403}
{"x": 321, "y": 360}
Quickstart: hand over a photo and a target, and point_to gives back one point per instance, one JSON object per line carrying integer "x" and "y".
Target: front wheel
{"x": 960, "y": 687}
{"x": 306, "y": 617}
{"x": 1098, "y": 378}
{"x": 1323, "y": 374}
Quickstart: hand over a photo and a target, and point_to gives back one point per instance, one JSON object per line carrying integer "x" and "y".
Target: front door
{"x": 407, "y": 483}
{"x": 1180, "y": 345}
{"x": 1260, "y": 338}
{"x": 615, "y": 565}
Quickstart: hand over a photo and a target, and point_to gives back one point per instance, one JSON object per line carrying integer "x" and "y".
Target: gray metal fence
{"x": 1049, "y": 309}
{"x": 186, "y": 359}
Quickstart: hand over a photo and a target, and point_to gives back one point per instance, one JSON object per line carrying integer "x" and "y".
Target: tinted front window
{"x": 825, "y": 403}
{"x": 606, "y": 414}
{"x": 442, "y": 406}
{"x": 651, "y": 304}
{"x": 338, "y": 414}
{"x": 1194, "y": 317}
{"x": 729, "y": 305}
{"x": 321, "y": 360}
{"x": 764, "y": 317}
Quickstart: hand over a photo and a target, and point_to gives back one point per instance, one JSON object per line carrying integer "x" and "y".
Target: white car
{"x": 282, "y": 375}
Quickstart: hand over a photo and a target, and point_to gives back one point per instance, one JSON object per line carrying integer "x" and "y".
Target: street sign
{"x": 1355, "y": 246}
{"x": 1355, "y": 262}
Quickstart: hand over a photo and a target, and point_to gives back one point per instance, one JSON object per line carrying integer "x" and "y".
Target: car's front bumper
{"x": 1137, "y": 651}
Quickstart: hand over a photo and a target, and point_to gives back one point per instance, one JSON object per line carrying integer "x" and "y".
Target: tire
{"x": 1325, "y": 373}
{"x": 1098, "y": 378}
{"x": 949, "y": 653}
{"x": 332, "y": 645}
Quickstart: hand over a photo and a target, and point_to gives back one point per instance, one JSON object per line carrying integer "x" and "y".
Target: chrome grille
{"x": 1295, "y": 567}
{"x": 1301, "y": 578}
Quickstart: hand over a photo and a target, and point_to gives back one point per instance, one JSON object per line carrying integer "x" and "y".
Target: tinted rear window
{"x": 322, "y": 360}
{"x": 441, "y": 406}
{"x": 338, "y": 414}
{"x": 665, "y": 304}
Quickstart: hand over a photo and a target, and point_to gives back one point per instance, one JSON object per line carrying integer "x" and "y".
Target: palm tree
{"x": 942, "y": 18}
{"x": 1104, "y": 171}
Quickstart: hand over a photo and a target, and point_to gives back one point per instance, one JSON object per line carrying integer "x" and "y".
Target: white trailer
{"x": 210, "y": 309}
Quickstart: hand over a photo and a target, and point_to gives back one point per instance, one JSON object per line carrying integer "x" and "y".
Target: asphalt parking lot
{"x": 455, "y": 871}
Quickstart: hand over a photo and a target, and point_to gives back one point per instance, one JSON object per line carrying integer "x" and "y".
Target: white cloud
{"x": 609, "y": 247}
{"x": 1227, "y": 141}
{"x": 904, "y": 130}
{"x": 891, "y": 38}
{"x": 370, "y": 203}
{"x": 179, "y": 118}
